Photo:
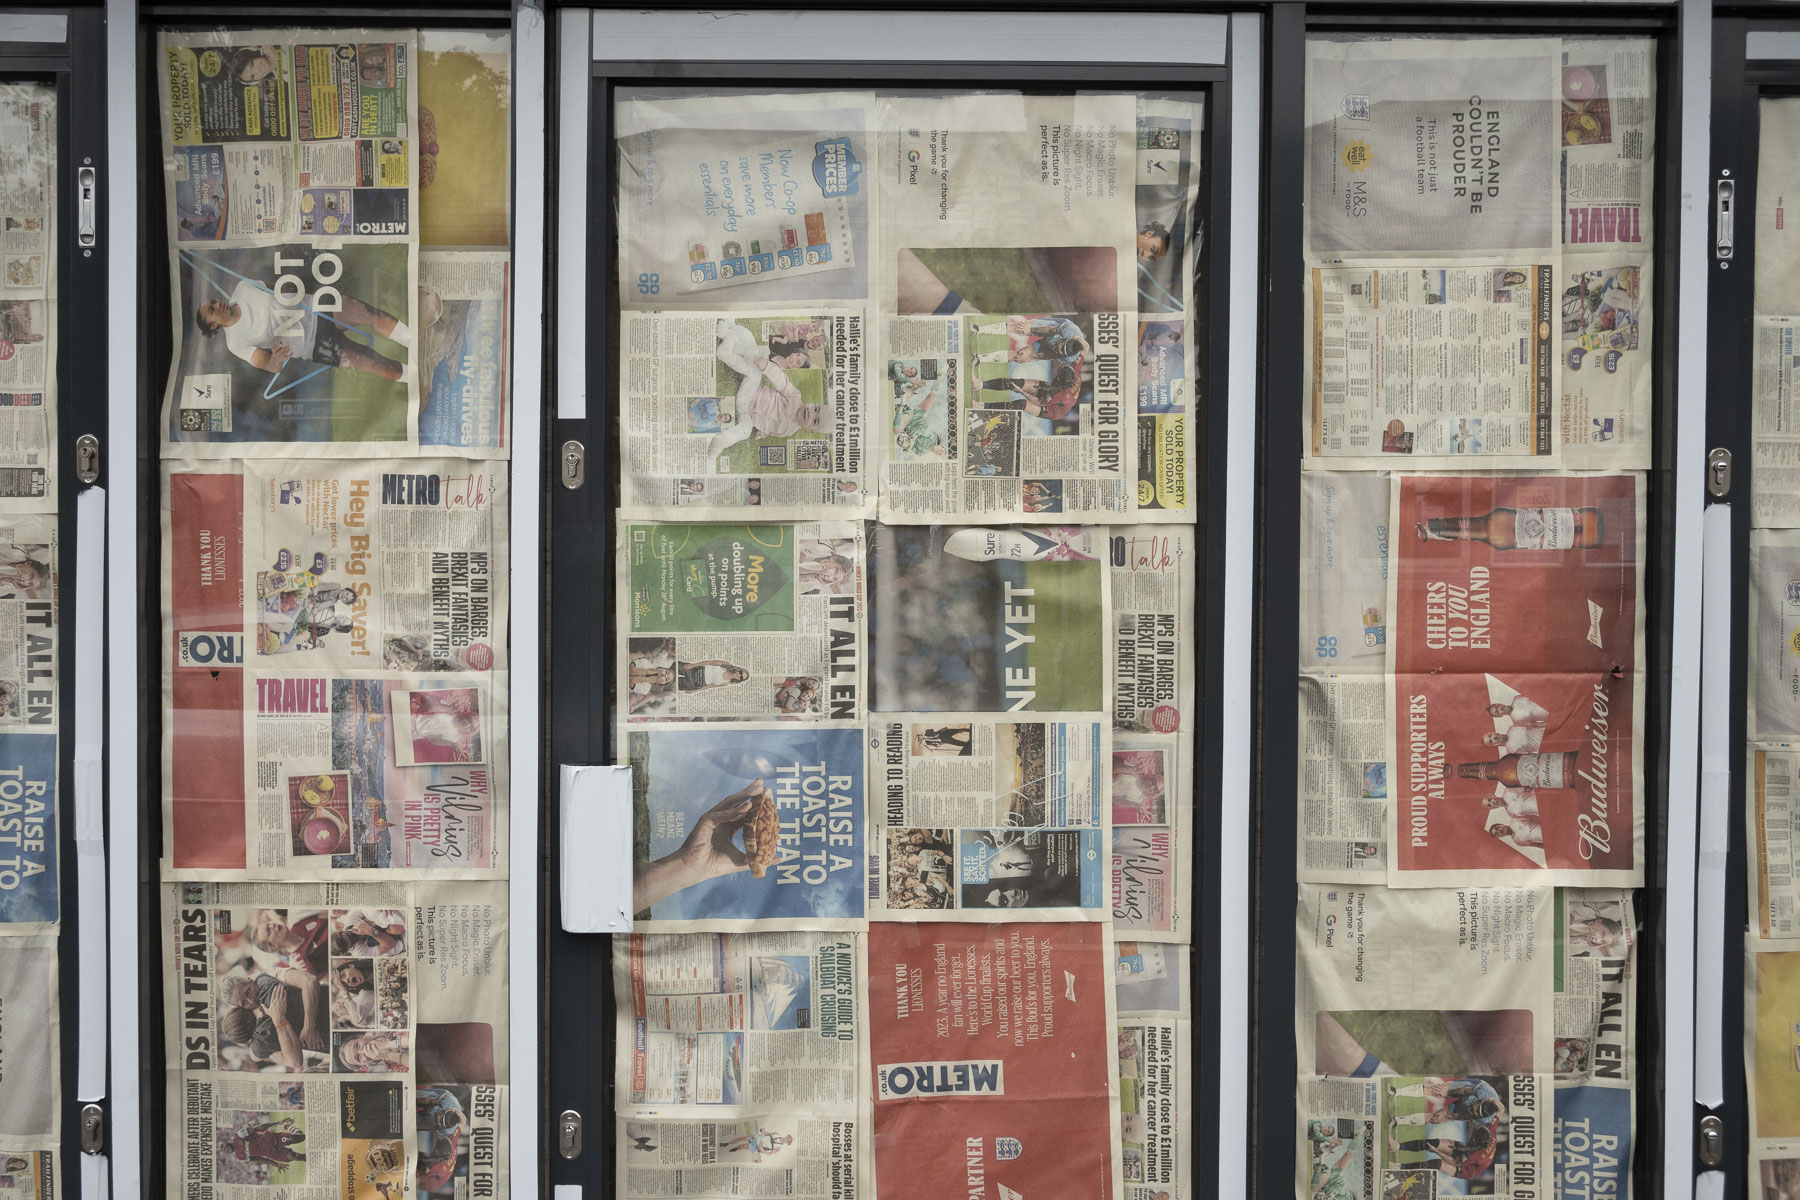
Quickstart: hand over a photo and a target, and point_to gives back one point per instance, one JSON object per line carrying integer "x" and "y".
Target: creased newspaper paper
{"x": 1155, "y": 1050}
{"x": 978, "y": 814}
{"x": 28, "y": 297}
{"x": 30, "y": 1103}
{"x": 345, "y": 1037}
{"x": 335, "y": 666}
{"x": 30, "y": 773}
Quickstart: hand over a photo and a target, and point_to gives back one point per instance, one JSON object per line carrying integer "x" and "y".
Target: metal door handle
{"x": 86, "y": 204}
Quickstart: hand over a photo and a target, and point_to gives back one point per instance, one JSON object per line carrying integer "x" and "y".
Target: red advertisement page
{"x": 206, "y": 660}
{"x": 991, "y": 1048}
{"x": 1515, "y": 688}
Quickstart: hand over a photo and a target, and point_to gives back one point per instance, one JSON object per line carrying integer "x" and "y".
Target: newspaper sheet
{"x": 1606, "y": 364}
{"x": 1020, "y": 415}
{"x": 341, "y": 621}
{"x": 724, "y": 412}
{"x": 1773, "y": 804}
{"x": 794, "y": 1155}
{"x": 340, "y": 1040}
{"x": 1344, "y": 571}
{"x": 465, "y": 138}
{"x": 1150, "y": 578}
{"x": 1772, "y": 988}
{"x": 960, "y": 623}
{"x": 1777, "y": 177}
{"x": 1437, "y": 146}
{"x": 737, "y": 1024}
{"x": 291, "y": 180}
{"x": 755, "y": 200}
{"x": 28, "y": 296}
{"x": 979, "y": 814}
{"x": 306, "y": 134}
{"x": 1515, "y": 709}
{"x": 745, "y": 826}
{"x": 30, "y": 784}
{"x": 1170, "y": 367}
{"x": 30, "y": 1043}
{"x": 1774, "y": 702}
{"x": 1343, "y": 779}
{"x": 1775, "y": 409}
{"x": 1596, "y": 1038}
{"x": 464, "y": 361}
{"x": 1432, "y": 364}
{"x": 1155, "y": 1083}
{"x": 1591, "y": 1143}
{"x": 1608, "y": 133}
{"x": 31, "y": 1174}
{"x": 742, "y": 622}
{"x": 1017, "y": 1080}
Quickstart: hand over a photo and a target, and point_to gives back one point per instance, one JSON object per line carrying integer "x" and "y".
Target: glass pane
{"x": 336, "y": 647}
{"x": 31, "y": 708}
{"x": 1473, "y": 800}
{"x": 942, "y": 348}
{"x": 1773, "y": 706}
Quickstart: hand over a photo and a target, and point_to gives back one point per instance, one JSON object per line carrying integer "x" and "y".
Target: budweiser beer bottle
{"x": 1555, "y": 770}
{"x": 1522, "y": 529}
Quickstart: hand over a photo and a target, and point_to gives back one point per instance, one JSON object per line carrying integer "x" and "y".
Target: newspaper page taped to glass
{"x": 1170, "y": 367}
{"x": 1606, "y": 364}
{"x": 1596, "y": 992}
{"x": 742, "y": 622}
{"x": 465, "y": 137}
{"x": 28, "y": 290}
{"x": 1155, "y": 1084}
{"x": 30, "y": 1103}
{"x": 1343, "y": 587}
{"x": 797, "y": 1155}
{"x": 1150, "y": 577}
{"x": 959, "y": 622}
{"x": 1431, "y": 365}
{"x": 342, "y": 1040}
{"x": 1009, "y": 416}
{"x": 722, "y": 413}
{"x": 757, "y": 199}
{"x": 1772, "y": 986}
{"x": 747, "y": 826}
{"x": 1439, "y": 146}
{"x": 291, "y": 187}
{"x": 464, "y": 356}
{"x": 1609, "y": 143}
{"x": 1773, "y": 801}
{"x": 725, "y": 1024}
{"x": 1016, "y": 1080}
{"x": 33, "y": 1172}
{"x": 1466, "y": 982}
{"x": 1778, "y": 177}
{"x": 1343, "y": 778}
{"x": 30, "y": 784}
{"x": 979, "y": 814}
{"x": 1516, "y": 708}
{"x": 1774, "y": 709}
{"x": 342, "y": 621}
{"x": 273, "y": 134}
{"x": 1775, "y": 437}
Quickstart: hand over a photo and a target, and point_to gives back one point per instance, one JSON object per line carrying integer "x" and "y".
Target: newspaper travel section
{"x": 979, "y": 814}
{"x": 28, "y": 296}
{"x": 726, "y": 412}
{"x": 742, "y": 622}
{"x": 347, "y": 1043}
{"x": 334, "y": 667}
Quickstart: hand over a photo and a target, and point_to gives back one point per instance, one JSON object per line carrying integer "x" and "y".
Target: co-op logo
{"x": 210, "y": 649}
